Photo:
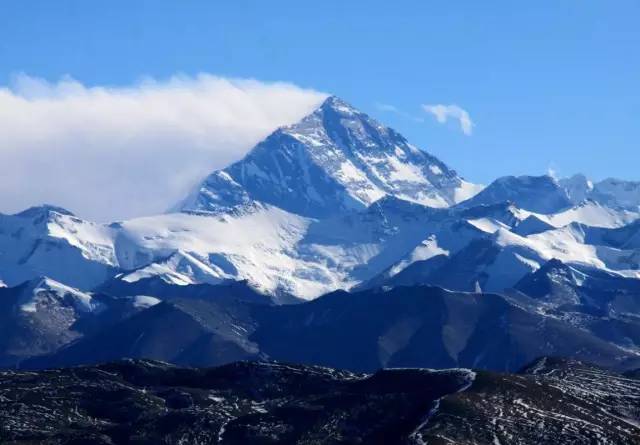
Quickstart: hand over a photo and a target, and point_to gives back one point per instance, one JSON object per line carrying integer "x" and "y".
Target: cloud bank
{"x": 114, "y": 153}
{"x": 442, "y": 114}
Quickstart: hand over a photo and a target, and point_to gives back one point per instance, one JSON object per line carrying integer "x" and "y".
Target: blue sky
{"x": 550, "y": 83}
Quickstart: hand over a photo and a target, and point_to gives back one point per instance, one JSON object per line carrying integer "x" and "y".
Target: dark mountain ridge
{"x": 551, "y": 401}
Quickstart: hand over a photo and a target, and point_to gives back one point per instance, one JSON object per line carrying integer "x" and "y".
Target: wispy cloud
{"x": 110, "y": 153}
{"x": 386, "y": 107}
{"x": 443, "y": 113}
{"x": 395, "y": 110}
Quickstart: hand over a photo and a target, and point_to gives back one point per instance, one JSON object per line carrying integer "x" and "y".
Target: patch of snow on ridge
{"x": 427, "y": 249}
{"x": 488, "y": 225}
{"x": 35, "y": 293}
{"x": 144, "y": 301}
{"x": 401, "y": 171}
{"x": 593, "y": 214}
{"x": 467, "y": 190}
{"x": 180, "y": 268}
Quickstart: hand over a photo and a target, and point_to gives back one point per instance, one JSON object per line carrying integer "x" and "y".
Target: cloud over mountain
{"x": 443, "y": 113}
{"x": 117, "y": 152}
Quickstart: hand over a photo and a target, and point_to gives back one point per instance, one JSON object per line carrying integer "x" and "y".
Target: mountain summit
{"x": 334, "y": 160}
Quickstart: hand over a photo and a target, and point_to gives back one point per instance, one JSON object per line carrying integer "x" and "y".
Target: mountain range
{"x": 334, "y": 242}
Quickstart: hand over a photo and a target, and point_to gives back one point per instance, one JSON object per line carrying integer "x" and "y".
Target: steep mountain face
{"x": 335, "y": 160}
{"x": 554, "y": 402}
{"x": 38, "y": 317}
{"x": 42, "y": 315}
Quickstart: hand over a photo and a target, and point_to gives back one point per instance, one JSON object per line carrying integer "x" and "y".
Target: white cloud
{"x": 112, "y": 153}
{"x": 442, "y": 114}
{"x": 388, "y": 108}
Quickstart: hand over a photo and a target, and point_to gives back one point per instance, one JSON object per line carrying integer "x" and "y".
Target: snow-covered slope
{"x": 592, "y": 213}
{"x": 336, "y": 159}
{"x": 496, "y": 249}
{"x": 256, "y": 246}
{"x": 53, "y": 242}
{"x": 279, "y": 252}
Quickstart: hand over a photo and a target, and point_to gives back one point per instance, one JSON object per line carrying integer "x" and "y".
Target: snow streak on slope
{"x": 593, "y": 214}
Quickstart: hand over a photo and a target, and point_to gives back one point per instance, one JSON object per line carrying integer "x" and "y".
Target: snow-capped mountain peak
{"x": 43, "y": 210}
{"x": 334, "y": 160}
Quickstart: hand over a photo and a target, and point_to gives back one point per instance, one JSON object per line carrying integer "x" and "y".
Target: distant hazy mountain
{"x": 540, "y": 194}
{"x": 610, "y": 192}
